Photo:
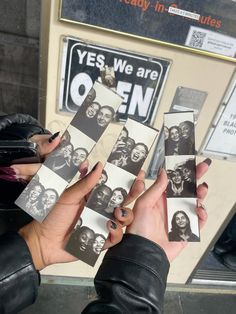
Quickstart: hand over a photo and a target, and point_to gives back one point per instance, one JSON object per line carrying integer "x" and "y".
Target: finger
{"x": 137, "y": 188}
{"x": 115, "y": 234}
{"x": 150, "y": 197}
{"x": 202, "y": 190}
{"x": 44, "y": 147}
{"x": 202, "y": 168}
{"x": 77, "y": 191}
{"x": 25, "y": 169}
{"x": 202, "y": 216}
{"x": 124, "y": 215}
{"x": 83, "y": 169}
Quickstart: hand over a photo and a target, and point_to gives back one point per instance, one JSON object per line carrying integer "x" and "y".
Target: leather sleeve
{"x": 131, "y": 278}
{"x": 19, "y": 280}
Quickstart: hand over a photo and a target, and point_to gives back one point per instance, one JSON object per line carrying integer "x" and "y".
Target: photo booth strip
{"x": 86, "y": 128}
{"x": 180, "y": 164}
{"x": 123, "y": 165}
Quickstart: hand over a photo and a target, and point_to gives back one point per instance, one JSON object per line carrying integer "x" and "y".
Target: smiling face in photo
{"x": 98, "y": 243}
{"x": 79, "y": 156}
{"x": 35, "y": 192}
{"x": 49, "y": 197}
{"x": 174, "y": 134}
{"x": 86, "y": 238}
{"x": 92, "y": 110}
{"x": 138, "y": 153}
{"x": 104, "y": 116}
{"x": 181, "y": 220}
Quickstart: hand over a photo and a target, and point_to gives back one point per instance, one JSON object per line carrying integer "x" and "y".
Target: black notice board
{"x": 201, "y": 26}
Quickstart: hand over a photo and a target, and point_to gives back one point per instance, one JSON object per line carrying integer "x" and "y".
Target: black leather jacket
{"x": 131, "y": 278}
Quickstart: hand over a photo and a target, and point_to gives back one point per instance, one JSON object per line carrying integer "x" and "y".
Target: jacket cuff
{"x": 143, "y": 252}
{"x": 19, "y": 279}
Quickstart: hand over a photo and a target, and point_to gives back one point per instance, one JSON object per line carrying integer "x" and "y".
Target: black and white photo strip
{"x": 179, "y": 133}
{"x": 180, "y": 164}
{"x": 41, "y": 193}
{"x": 88, "y": 237}
{"x": 182, "y": 220}
{"x": 75, "y": 144}
{"x": 97, "y": 111}
{"x": 181, "y": 172}
{"x": 116, "y": 181}
{"x": 132, "y": 146}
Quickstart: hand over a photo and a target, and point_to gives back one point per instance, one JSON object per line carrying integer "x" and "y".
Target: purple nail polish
{"x": 7, "y": 170}
{"x": 7, "y": 177}
{"x": 113, "y": 225}
{"x": 208, "y": 161}
{"x": 124, "y": 212}
{"x": 53, "y": 137}
{"x": 95, "y": 166}
{"x": 83, "y": 173}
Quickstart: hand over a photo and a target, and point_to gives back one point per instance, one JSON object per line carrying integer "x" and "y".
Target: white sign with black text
{"x": 140, "y": 78}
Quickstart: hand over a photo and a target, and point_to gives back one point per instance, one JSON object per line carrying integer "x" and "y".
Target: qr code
{"x": 197, "y": 39}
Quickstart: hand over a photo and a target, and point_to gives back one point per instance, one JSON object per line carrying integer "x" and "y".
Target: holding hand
{"x": 150, "y": 213}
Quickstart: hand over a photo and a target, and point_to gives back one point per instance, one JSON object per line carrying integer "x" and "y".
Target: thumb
{"x": 75, "y": 193}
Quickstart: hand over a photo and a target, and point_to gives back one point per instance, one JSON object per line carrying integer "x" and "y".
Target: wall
{"x": 189, "y": 70}
{"x": 19, "y": 55}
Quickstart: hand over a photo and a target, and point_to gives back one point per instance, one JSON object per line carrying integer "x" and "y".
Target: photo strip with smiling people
{"x": 62, "y": 165}
{"x": 180, "y": 164}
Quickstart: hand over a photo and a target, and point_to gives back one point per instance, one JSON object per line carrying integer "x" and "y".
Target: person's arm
{"x": 19, "y": 279}
{"x": 132, "y": 276}
{"x": 38, "y": 245}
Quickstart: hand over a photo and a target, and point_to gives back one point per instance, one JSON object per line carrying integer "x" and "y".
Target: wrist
{"x": 32, "y": 240}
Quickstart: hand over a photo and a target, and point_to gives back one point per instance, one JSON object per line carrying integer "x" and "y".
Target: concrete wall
{"x": 19, "y": 55}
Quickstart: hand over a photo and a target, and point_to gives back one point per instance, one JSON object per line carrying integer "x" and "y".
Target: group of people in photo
{"x": 182, "y": 182}
{"x": 37, "y": 199}
{"x": 179, "y": 139}
{"x": 104, "y": 199}
{"x": 127, "y": 154}
{"x": 87, "y": 244}
{"x": 92, "y": 118}
{"x": 65, "y": 160}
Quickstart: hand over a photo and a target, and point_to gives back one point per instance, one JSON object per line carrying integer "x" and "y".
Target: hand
{"x": 46, "y": 241}
{"x": 150, "y": 213}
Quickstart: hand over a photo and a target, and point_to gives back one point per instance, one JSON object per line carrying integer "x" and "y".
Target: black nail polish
{"x": 208, "y": 161}
{"x": 205, "y": 184}
{"x": 95, "y": 166}
{"x": 113, "y": 225}
{"x": 123, "y": 212}
{"x": 53, "y": 137}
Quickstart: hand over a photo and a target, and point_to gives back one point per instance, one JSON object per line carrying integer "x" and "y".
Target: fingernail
{"x": 208, "y": 161}
{"x": 7, "y": 170}
{"x": 95, "y": 166}
{"x": 205, "y": 184}
{"x": 124, "y": 212}
{"x": 201, "y": 206}
{"x": 83, "y": 173}
{"x": 8, "y": 177}
{"x": 53, "y": 137}
{"x": 113, "y": 225}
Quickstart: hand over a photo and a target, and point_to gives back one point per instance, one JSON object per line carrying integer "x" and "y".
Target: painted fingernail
{"x": 95, "y": 166}
{"x": 124, "y": 212}
{"x": 208, "y": 161}
{"x": 205, "y": 184}
{"x": 7, "y": 170}
{"x": 7, "y": 177}
{"x": 53, "y": 137}
{"x": 113, "y": 225}
{"x": 83, "y": 173}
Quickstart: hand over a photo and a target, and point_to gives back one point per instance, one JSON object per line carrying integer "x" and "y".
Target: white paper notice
{"x": 204, "y": 39}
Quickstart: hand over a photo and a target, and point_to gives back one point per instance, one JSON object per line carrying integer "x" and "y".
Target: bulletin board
{"x": 190, "y": 70}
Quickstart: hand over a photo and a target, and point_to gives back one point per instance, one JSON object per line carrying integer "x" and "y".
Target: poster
{"x": 140, "y": 78}
{"x": 221, "y": 139}
{"x": 207, "y": 25}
